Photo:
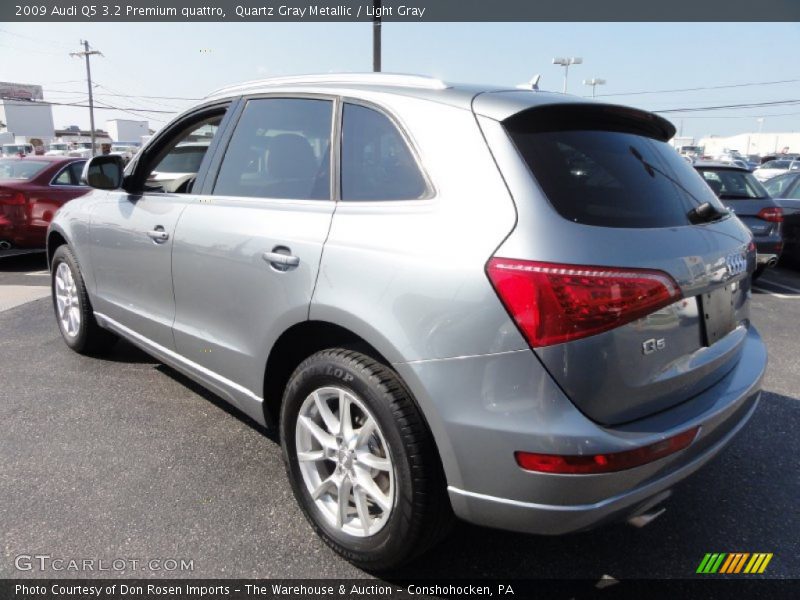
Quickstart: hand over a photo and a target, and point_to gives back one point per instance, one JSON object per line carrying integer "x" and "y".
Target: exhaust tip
{"x": 772, "y": 262}
{"x": 5, "y": 245}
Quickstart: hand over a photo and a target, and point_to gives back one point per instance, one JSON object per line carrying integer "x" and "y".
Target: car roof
{"x": 496, "y": 102}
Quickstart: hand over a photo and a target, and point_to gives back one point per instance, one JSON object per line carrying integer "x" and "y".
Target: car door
{"x": 245, "y": 258}
{"x": 132, "y": 234}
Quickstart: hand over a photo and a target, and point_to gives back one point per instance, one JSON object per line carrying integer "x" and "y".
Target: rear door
{"x": 246, "y": 255}
{"x": 632, "y": 303}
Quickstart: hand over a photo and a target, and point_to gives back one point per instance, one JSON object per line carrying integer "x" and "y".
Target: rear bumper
{"x": 496, "y": 413}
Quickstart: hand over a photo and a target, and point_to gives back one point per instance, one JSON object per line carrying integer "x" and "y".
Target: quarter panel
{"x": 414, "y": 270}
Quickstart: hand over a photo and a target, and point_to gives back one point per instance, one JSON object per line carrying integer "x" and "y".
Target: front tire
{"x": 74, "y": 314}
{"x": 361, "y": 461}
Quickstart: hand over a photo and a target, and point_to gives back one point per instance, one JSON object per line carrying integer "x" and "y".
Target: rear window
{"x": 728, "y": 184}
{"x": 21, "y": 170}
{"x": 599, "y": 167}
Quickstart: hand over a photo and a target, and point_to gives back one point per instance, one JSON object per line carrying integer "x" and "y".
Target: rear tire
{"x": 74, "y": 313}
{"x": 373, "y": 490}
{"x": 759, "y": 271}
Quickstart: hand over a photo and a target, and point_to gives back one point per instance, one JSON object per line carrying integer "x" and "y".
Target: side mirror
{"x": 103, "y": 172}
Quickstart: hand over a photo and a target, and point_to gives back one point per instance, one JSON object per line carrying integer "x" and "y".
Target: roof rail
{"x": 389, "y": 79}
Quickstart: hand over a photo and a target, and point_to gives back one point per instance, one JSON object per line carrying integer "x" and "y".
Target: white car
{"x": 773, "y": 168}
{"x": 57, "y": 149}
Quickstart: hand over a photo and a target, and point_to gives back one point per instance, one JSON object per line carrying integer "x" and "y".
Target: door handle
{"x": 280, "y": 258}
{"x": 158, "y": 234}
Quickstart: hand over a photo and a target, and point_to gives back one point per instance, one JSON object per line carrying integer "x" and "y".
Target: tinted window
{"x": 280, "y": 149}
{"x": 777, "y": 186}
{"x": 376, "y": 161}
{"x": 183, "y": 159}
{"x": 728, "y": 184}
{"x": 611, "y": 177}
{"x": 70, "y": 175}
{"x": 23, "y": 169}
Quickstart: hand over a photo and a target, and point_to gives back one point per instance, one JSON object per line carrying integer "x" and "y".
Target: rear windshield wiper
{"x": 705, "y": 213}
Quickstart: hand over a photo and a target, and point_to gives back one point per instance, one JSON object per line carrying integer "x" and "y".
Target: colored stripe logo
{"x": 734, "y": 562}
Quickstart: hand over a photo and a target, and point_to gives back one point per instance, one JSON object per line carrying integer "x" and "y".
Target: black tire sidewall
{"x": 391, "y": 540}
{"x": 64, "y": 255}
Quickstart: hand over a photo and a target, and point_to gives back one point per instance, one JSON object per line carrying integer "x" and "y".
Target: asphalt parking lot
{"x": 125, "y": 458}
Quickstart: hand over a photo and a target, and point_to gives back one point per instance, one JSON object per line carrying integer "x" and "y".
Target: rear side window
{"x": 377, "y": 164}
{"x": 280, "y": 149}
{"x": 607, "y": 171}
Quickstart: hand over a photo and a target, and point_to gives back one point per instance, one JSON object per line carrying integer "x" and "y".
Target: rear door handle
{"x": 281, "y": 260}
{"x": 158, "y": 234}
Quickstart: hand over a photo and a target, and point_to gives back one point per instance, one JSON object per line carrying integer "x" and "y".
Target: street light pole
{"x": 594, "y": 82}
{"x": 86, "y": 54}
{"x": 376, "y": 37}
{"x": 566, "y": 62}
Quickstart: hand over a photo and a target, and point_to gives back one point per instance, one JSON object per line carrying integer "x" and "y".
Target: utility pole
{"x": 86, "y": 54}
{"x": 376, "y": 36}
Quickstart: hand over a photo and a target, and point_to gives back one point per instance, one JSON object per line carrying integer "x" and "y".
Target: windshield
{"x": 182, "y": 159}
{"x": 20, "y": 170}
{"x": 58, "y": 146}
{"x": 776, "y": 164}
{"x": 14, "y": 149}
{"x": 778, "y": 185}
{"x": 728, "y": 184}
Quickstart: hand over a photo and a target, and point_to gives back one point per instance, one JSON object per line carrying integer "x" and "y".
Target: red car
{"x": 32, "y": 189}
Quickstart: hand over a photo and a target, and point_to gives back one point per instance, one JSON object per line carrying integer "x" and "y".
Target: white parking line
{"x": 39, "y": 273}
{"x": 17, "y": 295}
{"x": 781, "y": 285}
{"x": 776, "y": 294}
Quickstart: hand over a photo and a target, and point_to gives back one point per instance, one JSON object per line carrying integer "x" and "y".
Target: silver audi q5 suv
{"x": 517, "y": 307}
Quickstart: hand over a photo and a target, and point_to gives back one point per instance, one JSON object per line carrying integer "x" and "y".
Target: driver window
{"x": 176, "y": 168}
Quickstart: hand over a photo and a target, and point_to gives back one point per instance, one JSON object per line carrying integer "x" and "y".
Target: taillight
{"x": 9, "y": 198}
{"x": 553, "y": 303}
{"x": 585, "y": 464}
{"x": 774, "y": 214}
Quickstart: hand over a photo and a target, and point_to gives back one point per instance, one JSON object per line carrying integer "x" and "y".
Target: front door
{"x": 133, "y": 231}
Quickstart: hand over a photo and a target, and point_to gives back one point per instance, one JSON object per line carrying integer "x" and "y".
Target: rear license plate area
{"x": 716, "y": 307}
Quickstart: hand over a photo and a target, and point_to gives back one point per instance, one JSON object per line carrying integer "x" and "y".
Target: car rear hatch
{"x": 625, "y": 274}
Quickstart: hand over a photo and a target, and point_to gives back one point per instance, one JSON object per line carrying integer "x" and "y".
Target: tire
{"x": 759, "y": 271}
{"x": 408, "y": 472}
{"x": 74, "y": 314}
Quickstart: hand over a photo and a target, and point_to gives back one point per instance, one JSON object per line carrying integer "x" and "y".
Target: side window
{"x": 71, "y": 174}
{"x": 281, "y": 148}
{"x": 64, "y": 178}
{"x": 177, "y": 165}
{"x": 376, "y": 161}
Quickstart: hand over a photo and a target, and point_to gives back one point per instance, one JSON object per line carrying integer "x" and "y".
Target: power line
{"x": 46, "y": 102}
{"x": 703, "y": 88}
{"x": 731, "y": 106}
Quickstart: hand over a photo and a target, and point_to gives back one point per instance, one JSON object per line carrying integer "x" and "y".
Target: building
{"x": 752, "y": 143}
{"x": 127, "y": 130}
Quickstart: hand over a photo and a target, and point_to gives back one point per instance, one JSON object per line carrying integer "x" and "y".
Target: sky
{"x": 171, "y": 60}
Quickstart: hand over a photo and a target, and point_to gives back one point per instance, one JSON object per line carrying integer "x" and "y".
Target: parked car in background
{"x": 745, "y": 196}
{"x": 57, "y": 149}
{"x": 773, "y": 168}
{"x": 785, "y": 189}
{"x": 32, "y": 189}
{"x": 126, "y": 151}
{"x": 16, "y": 150}
{"x": 543, "y": 335}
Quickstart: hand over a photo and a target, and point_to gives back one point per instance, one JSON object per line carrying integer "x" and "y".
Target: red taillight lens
{"x": 605, "y": 463}
{"x": 8, "y": 198}
{"x": 553, "y": 303}
{"x": 774, "y": 214}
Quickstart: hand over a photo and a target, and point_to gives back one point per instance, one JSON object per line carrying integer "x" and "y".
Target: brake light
{"x": 9, "y": 198}
{"x": 605, "y": 463}
{"x": 774, "y": 214}
{"x": 554, "y": 303}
